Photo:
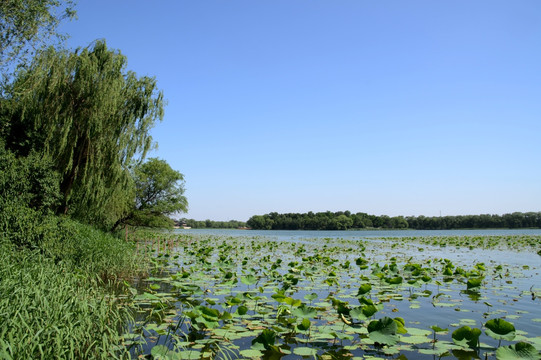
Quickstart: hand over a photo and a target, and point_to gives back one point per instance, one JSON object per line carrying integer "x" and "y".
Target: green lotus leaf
{"x": 251, "y": 353}
{"x": 466, "y": 336}
{"x": 209, "y": 313}
{"x": 248, "y": 279}
{"x": 304, "y": 325}
{"x": 519, "y": 351}
{"x": 364, "y": 288}
{"x": 162, "y": 352}
{"x": 266, "y": 338}
{"x": 383, "y": 331}
{"x": 293, "y": 302}
{"x": 474, "y": 282}
{"x": 499, "y": 329}
{"x": 395, "y": 280}
{"x": 357, "y": 313}
{"x": 438, "y": 329}
{"x": 242, "y": 310}
{"x": 304, "y": 311}
{"x": 304, "y": 351}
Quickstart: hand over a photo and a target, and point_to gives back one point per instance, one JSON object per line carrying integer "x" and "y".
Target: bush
{"x": 28, "y": 196}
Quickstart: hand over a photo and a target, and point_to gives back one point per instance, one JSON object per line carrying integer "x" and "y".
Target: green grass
{"x": 53, "y": 302}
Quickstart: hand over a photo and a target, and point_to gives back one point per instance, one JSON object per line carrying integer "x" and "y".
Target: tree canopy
{"x": 159, "y": 191}
{"x": 344, "y": 220}
{"x": 26, "y": 25}
{"x": 83, "y": 110}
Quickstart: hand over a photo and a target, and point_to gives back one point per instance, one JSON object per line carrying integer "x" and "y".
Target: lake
{"x": 341, "y": 295}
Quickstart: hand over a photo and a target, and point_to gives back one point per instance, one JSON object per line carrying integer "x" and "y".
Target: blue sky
{"x": 384, "y": 107}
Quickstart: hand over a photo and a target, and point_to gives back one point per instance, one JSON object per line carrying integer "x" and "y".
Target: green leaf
{"x": 293, "y": 302}
{"x": 242, "y": 310}
{"x": 304, "y": 311}
{"x": 248, "y": 279}
{"x": 466, "y": 336}
{"x": 304, "y": 325}
{"x": 519, "y": 351}
{"x": 251, "y": 353}
{"x": 304, "y": 351}
{"x": 161, "y": 352}
{"x": 499, "y": 329}
{"x": 364, "y": 288}
{"x": 474, "y": 283}
{"x": 394, "y": 281}
{"x": 383, "y": 331}
{"x": 438, "y": 329}
{"x": 266, "y": 338}
{"x": 310, "y": 297}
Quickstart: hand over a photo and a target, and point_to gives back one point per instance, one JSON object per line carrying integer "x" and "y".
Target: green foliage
{"x": 159, "y": 191}
{"x": 519, "y": 351}
{"x": 343, "y": 220}
{"x": 383, "y": 331}
{"x": 47, "y": 311}
{"x": 500, "y": 329}
{"x": 28, "y": 193}
{"x": 27, "y": 25}
{"x": 210, "y": 224}
{"x": 466, "y": 336}
{"x": 106, "y": 114}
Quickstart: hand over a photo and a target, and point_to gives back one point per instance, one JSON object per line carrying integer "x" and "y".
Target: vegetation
{"x": 74, "y": 133}
{"x": 210, "y": 224}
{"x": 335, "y": 298}
{"x": 27, "y": 25}
{"x": 158, "y": 192}
{"x": 344, "y": 220}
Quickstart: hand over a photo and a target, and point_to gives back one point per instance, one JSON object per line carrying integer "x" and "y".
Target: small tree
{"x": 159, "y": 192}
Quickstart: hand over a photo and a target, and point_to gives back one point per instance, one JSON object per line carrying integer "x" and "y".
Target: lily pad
{"x": 500, "y": 329}
{"x": 519, "y": 351}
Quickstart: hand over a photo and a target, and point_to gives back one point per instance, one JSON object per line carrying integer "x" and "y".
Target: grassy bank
{"x": 55, "y": 302}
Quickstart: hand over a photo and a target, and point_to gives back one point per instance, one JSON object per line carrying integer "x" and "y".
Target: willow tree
{"x": 92, "y": 117}
{"x": 27, "y": 25}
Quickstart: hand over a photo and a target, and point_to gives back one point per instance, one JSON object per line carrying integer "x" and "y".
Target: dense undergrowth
{"x": 55, "y": 300}
{"x": 55, "y": 272}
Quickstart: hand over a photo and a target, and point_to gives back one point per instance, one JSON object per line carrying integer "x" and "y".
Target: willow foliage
{"x": 26, "y": 25}
{"x": 92, "y": 117}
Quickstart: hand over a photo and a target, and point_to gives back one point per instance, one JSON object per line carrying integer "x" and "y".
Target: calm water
{"x": 514, "y": 295}
{"x": 355, "y": 234}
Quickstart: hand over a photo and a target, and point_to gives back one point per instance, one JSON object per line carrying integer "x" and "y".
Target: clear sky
{"x": 385, "y": 107}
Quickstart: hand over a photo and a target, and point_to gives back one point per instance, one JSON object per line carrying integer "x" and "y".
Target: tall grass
{"x": 52, "y": 302}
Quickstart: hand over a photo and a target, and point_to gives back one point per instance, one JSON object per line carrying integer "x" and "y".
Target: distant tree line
{"x": 343, "y": 220}
{"x": 209, "y": 224}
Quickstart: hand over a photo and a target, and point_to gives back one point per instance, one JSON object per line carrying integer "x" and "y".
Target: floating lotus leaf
{"x": 251, "y": 353}
{"x": 395, "y": 280}
{"x": 265, "y": 338}
{"x": 304, "y": 351}
{"x": 383, "y": 331}
{"x": 500, "y": 329}
{"x": 364, "y": 288}
{"x": 248, "y": 279}
{"x": 474, "y": 283}
{"x": 304, "y": 311}
{"x": 304, "y": 325}
{"x": 519, "y": 351}
{"x": 242, "y": 310}
{"x": 162, "y": 352}
{"x": 466, "y": 336}
{"x": 310, "y": 297}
